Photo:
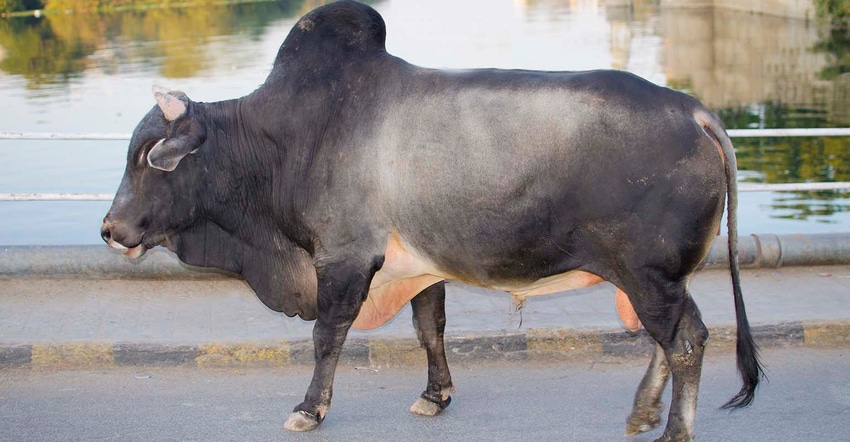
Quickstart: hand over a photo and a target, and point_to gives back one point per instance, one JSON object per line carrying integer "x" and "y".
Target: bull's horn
{"x": 171, "y": 106}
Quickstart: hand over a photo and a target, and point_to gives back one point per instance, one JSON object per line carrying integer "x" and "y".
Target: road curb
{"x": 533, "y": 344}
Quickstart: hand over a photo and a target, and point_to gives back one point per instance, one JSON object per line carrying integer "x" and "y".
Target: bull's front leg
{"x": 342, "y": 288}
{"x": 429, "y": 320}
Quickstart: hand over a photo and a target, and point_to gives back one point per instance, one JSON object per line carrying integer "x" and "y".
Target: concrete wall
{"x": 782, "y": 8}
{"x": 729, "y": 58}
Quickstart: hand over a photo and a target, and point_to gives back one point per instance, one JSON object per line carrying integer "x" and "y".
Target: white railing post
{"x": 61, "y": 136}
{"x": 763, "y": 133}
{"x": 56, "y": 196}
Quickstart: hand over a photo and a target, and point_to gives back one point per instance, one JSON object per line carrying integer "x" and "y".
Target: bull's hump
{"x": 343, "y": 25}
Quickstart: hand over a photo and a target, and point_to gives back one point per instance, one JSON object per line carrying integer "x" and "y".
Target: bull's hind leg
{"x": 684, "y": 354}
{"x": 647, "y": 408}
{"x": 429, "y": 320}
{"x": 671, "y": 317}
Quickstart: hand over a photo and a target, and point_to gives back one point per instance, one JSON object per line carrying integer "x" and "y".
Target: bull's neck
{"x": 254, "y": 169}
{"x": 233, "y": 134}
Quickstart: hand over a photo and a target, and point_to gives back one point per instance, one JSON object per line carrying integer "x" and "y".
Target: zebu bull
{"x": 352, "y": 182}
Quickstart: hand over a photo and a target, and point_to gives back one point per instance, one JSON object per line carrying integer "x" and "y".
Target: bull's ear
{"x": 172, "y": 106}
{"x": 166, "y": 154}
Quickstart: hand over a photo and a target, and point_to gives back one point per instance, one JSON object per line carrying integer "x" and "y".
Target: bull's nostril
{"x": 105, "y": 233}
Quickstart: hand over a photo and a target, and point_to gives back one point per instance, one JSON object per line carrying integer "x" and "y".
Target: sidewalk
{"x": 70, "y": 323}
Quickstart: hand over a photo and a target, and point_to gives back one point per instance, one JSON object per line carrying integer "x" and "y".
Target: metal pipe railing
{"x": 743, "y": 187}
{"x": 734, "y": 133}
{"x": 792, "y": 187}
{"x": 754, "y": 133}
{"x": 61, "y": 136}
{"x": 64, "y": 196}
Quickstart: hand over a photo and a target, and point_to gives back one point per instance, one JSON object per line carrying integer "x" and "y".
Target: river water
{"x": 87, "y": 72}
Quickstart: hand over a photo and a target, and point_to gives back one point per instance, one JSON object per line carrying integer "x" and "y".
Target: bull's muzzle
{"x": 107, "y": 235}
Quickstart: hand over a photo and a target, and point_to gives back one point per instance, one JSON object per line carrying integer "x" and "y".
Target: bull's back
{"x": 501, "y": 177}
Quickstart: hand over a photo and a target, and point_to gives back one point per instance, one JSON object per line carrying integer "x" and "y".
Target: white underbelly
{"x": 574, "y": 279}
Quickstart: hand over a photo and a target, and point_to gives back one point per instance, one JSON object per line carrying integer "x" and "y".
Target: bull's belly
{"x": 386, "y": 300}
{"x": 405, "y": 273}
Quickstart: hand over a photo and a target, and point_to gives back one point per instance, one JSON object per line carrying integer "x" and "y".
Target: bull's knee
{"x": 691, "y": 339}
{"x": 685, "y": 359}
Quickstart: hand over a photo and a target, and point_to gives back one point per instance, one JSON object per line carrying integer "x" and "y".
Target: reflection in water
{"x": 39, "y": 52}
{"x": 835, "y": 46}
{"x": 734, "y": 60}
{"x": 757, "y": 71}
{"x": 53, "y": 49}
{"x": 796, "y": 160}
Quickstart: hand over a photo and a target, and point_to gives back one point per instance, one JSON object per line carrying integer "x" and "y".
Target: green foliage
{"x": 39, "y": 51}
{"x": 836, "y": 46}
{"x": 106, "y": 5}
{"x": 20, "y": 5}
{"x": 55, "y": 48}
{"x": 796, "y": 160}
{"x": 836, "y": 12}
{"x": 101, "y": 5}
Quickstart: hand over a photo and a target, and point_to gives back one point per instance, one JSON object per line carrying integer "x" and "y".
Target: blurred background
{"x": 758, "y": 64}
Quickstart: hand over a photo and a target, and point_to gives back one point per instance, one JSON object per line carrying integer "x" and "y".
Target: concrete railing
{"x": 101, "y": 262}
{"x": 97, "y": 262}
{"x": 772, "y": 251}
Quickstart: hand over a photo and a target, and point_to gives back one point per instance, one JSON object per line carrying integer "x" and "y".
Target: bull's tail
{"x": 747, "y": 350}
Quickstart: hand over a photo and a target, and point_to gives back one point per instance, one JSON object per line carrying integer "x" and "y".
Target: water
{"x": 92, "y": 73}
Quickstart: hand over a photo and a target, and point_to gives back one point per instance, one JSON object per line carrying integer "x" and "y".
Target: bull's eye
{"x": 142, "y": 155}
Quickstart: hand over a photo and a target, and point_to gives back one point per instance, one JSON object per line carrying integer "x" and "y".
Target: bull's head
{"x": 160, "y": 202}
{"x": 153, "y": 201}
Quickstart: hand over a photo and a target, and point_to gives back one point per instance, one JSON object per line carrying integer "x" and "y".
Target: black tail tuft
{"x": 749, "y": 364}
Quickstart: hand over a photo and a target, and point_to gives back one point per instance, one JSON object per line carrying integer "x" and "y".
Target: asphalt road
{"x": 807, "y": 399}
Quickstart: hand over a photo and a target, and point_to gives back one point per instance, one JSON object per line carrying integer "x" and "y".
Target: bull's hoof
{"x": 301, "y": 421}
{"x": 429, "y": 405}
{"x": 424, "y": 406}
{"x": 635, "y": 428}
{"x": 643, "y": 420}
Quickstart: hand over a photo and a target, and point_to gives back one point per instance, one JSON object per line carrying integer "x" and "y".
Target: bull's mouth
{"x": 134, "y": 252}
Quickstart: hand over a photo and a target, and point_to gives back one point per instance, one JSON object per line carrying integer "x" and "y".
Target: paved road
{"x": 807, "y": 399}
